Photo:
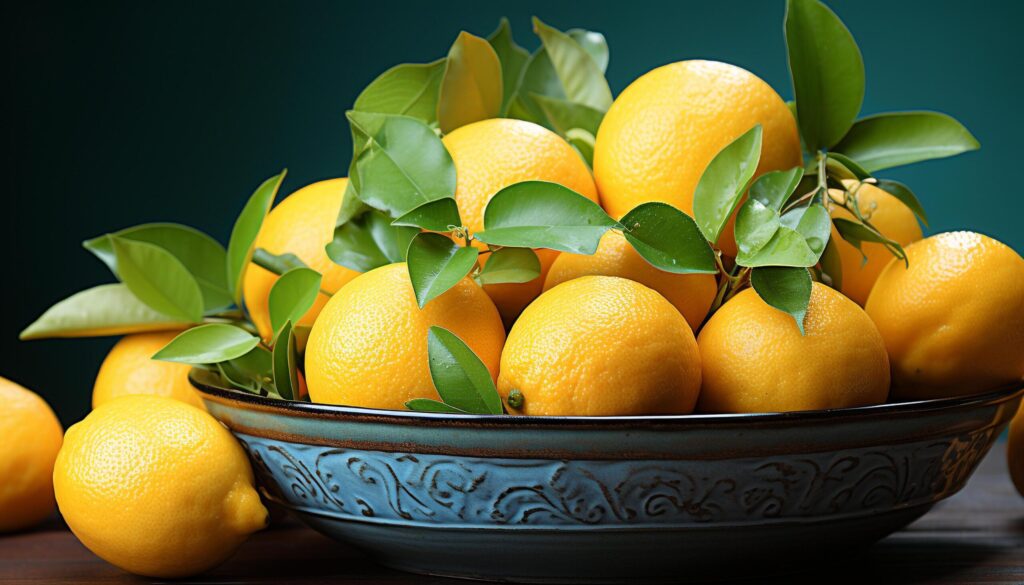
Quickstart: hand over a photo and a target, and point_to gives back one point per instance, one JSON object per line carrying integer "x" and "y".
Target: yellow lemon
{"x": 130, "y": 369}
{"x": 953, "y": 319}
{"x": 369, "y": 346}
{"x": 156, "y": 487}
{"x": 302, "y": 224}
{"x": 692, "y": 294}
{"x": 663, "y": 130}
{"x": 755, "y": 360}
{"x": 597, "y": 346}
{"x": 32, "y": 436}
{"x": 492, "y": 154}
{"x": 894, "y": 219}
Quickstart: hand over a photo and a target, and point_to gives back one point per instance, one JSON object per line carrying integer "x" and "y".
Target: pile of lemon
{"x": 155, "y": 485}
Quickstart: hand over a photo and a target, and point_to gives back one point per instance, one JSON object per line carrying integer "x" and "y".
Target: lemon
{"x": 156, "y": 487}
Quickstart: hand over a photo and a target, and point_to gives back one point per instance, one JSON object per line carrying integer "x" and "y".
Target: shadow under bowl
{"x": 610, "y": 499}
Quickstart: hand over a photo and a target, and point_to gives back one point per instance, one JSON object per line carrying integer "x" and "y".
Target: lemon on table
{"x": 691, "y": 294}
{"x": 755, "y": 359}
{"x": 129, "y": 368}
{"x": 32, "y": 436}
{"x": 492, "y": 154}
{"x": 953, "y": 319}
{"x": 369, "y": 346}
{"x": 301, "y": 224}
{"x": 156, "y": 487}
{"x": 663, "y": 130}
{"x": 599, "y": 346}
{"x": 887, "y": 213}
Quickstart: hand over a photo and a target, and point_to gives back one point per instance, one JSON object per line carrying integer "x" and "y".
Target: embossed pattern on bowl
{"x": 666, "y": 494}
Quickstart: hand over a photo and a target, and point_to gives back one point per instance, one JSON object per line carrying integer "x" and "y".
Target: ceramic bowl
{"x": 588, "y": 499}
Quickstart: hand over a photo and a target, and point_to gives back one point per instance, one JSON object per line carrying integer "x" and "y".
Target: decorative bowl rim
{"x": 211, "y": 391}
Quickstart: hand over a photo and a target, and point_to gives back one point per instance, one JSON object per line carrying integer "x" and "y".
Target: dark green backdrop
{"x": 139, "y": 112}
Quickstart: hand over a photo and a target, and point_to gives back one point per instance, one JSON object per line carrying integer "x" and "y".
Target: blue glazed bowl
{"x": 588, "y": 499}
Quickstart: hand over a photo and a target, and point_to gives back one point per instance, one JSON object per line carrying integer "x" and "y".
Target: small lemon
{"x": 32, "y": 436}
{"x": 129, "y": 368}
{"x": 156, "y": 487}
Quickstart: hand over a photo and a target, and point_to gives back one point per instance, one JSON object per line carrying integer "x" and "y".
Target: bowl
{"x": 610, "y": 499}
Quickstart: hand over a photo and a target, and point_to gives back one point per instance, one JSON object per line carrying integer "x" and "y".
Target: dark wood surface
{"x": 976, "y": 536}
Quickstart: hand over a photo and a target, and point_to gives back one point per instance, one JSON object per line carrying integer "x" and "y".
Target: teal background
{"x": 134, "y": 112}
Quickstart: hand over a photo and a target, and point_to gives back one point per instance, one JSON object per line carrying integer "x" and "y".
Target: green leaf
{"x": 459, "y": 376}
{"x": 428, "y": 405}
{"x": 108, "y": 309}
{"x": 539, "y": 214}
{"x": 565, "y": 115}
{"x": 201, "y": 255}
{"x": 286, "y": 374}
{"x": 410, "y": 90}
{"x": 758, "y": 219}
{"x": 436, "y": 264}
{"x": 539, "y": 78}
{"x": 668, "y": 239}
{"x": 894, "y": 139}
{"x": 369, "y": 241}
{"x": 208, "y": 344}
{"x": 252, "y": 371}
{"x": 471, "y": 89}
{"x": 847, "y": 167}
{"x": 774, "y": 188}
{"x": 351, "y": 205}
{"x": 813, "y": 223}
{"x": 857, "y": 233}
{"x": 402, "y": 165}
{"x": 724, "y": 181}
{"x": 905, "y": 195}
{"x": 580, "y": 76}
{"x": 583, "y": 142}
{"x": 276, "y": 263}
{"x": 593, "y": 43}
{"x": 787, "y": 247}
{"x": 832, "y": 265}
{"x": 513, "y": 59}
{"x": 827, "y": 71}
{"x": 786, "y": 289}
{"x": 291, "y": 296}
{"x": 510, "y": 265}
{"x": 439, "y": 215}
{"x": 243, "y": 234}
{"x": 158, "y": 279}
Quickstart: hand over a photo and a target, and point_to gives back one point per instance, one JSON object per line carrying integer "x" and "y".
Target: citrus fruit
{"x": 156, "y": 487}
{"x": 598, "y": 346}
{"x": 130, "y": 369}
{"x": 369, "y": 346}
{"x": 692, "y": 294}
{"x": 1015, "y": 450}
{"x": 32, "y": 436}
{"x": 953, "y": 319}
{"x": 755, "y": 359}
{"x": 663, "y": 130}
{"x": 490, "y": 155}
{"x": 892, "y": 218}
{"x": 302, "y": 224}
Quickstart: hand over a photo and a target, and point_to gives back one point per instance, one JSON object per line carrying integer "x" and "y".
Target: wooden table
{"x": 976, "y": 536}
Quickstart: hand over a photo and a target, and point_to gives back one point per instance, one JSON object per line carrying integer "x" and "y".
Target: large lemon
{"x": 597, "y": 346}
{"x": 663, "y": 130}
{"x": 894, "y": 219}
{"x": 156, "y": 487}
{"x": 369, "y": 346}
{"x": 302, "y": 224}
{"x": 755, "y": 359}
{"x": 129, "y": 368}
{"x": 692, "y": 294}
{"x": 32, "y": 435}
{"x": 492, "y": 154}
{"x": 953, "y": 319}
